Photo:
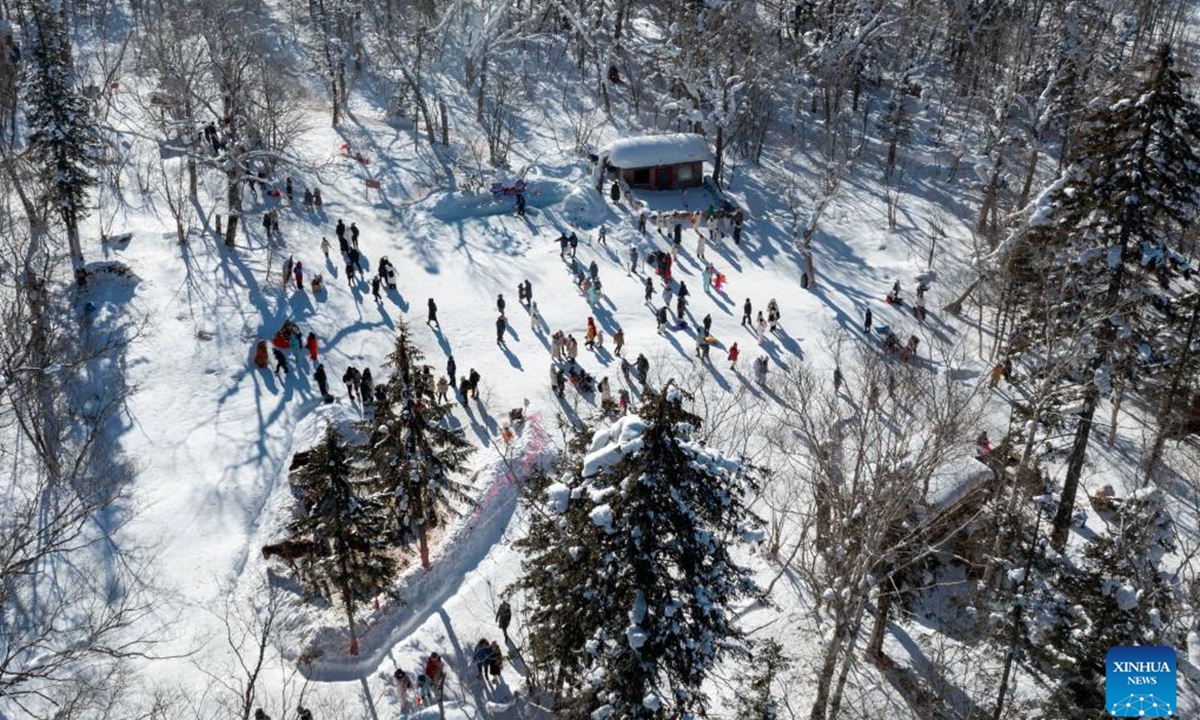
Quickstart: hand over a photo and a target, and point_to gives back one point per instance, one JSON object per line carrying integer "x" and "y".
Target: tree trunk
{"x": 719, "y": 162}
{"x": 445, "y": 122}
{"x": 989, "y": 197}
{"x": 883, "y": 607}
{"x": 825, "y": 678}
{"x": 1066, "y": 504}
{"x": 235, "y": 209}
{"x": 1165, "y": 424}
{"x": 1028, "y": 184}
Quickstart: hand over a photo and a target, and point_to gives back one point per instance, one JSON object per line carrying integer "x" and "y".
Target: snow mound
{"x": 539, "y": 193}
{"x": 584, "y": 207}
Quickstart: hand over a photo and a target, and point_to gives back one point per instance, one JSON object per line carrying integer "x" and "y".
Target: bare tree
{"x": 866, "y": 455}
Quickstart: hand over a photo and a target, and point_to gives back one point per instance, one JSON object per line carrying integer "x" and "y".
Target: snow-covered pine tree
{"x": 63, "y": 138}
{"x": 629, "y": 579}
{"x": 757, "y": 702}
{"x": 1117, "y": 593}
{"x": 414, "y": 453}
{"x": 1083, "y": 262}
{"x": 349, "y": 521}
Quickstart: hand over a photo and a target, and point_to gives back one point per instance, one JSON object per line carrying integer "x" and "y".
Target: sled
{"x": 275, "y": 193}
{"x": 682, "y": 325}
{"x": 711, "y": 340}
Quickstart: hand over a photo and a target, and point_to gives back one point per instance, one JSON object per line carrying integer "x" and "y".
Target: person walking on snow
{"x": 649, "y": 289}
{"x": 311, "y": 343}
{"x": 867, "y": 321}
{"x": 432, "y": 319}
{"x": 603, "y": 238}
{"x": 288, "y": 266}
{"x": 760, "y": 369}
{"x": 504, "y": 617}
{"x": 354, "y": 235}
{"x": 747, "y": 308}
{"x": 435, "y": 671}
{"x": 281, "y": 362}
{"x": 443, "y": 389}
{"x": 497, "y": 663}
{"x": 341, "y": 230}
{"x": 593, "y": 270}
{"x": 366, "y": 387}
{"x": 633, "y": 257}
{"x": 325, "y": 246}
{"x": 403, "y": 688}
{"x": 700, "y": 240}
{"x": 573, "y": 241}
{"x": 483, "y": 658}
{"x": 762, "y": 327}
{"x": 702, "y": 344}
{"x": 473, "y": 379}
{"x": 375, "y": 285}
{"x": 733, "y": 357}
{"x": 572, "y": 348}
{"x": 589, "y": 337}
{"x": 706, "y": 276}
{"x": 298, "y": 269}
{"x": 450, "y": 368}
{"x": 661, "y": 316}
{"x": 618, "y": 342}
{"x": 642, "y": 222}
{"x": 500, "y": 329}
{"x": 500, "y": 304}
{"x": 680, "y": 306}
{"x": 322, "y": 380}
{"x": 707, "y": 323}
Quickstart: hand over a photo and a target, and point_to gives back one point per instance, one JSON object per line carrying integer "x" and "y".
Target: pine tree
{"x": 348, "y": 522}
{"x": 1116, "y": 593}
{"x": 414, "y": 454}
{"x": 62, "y": 135}
{"x": 759, "y": 702}
{"x": 628, "y": 573}
{"x": 1092, "y": 304}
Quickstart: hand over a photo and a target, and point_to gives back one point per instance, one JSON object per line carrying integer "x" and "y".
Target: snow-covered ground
{"x": 213, "y": 436}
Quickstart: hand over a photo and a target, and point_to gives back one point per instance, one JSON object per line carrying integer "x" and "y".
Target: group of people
{"x": 431, "y": 677}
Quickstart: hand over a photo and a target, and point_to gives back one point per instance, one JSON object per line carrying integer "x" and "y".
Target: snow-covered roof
{"x": 655, "y": 150}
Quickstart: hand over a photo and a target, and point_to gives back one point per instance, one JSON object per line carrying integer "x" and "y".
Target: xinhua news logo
{"x": 1140, "y": 681}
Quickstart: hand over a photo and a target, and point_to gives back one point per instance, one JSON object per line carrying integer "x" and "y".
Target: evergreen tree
{"x": 628, "y": 573}
{"x": 62, "y": 138}
{"x": 759, "y": 702}
{"x": 348, "y": 522}
{"x": 414, "y": 454}
{"x": 1093, "y": 306}
{"x": 1117, "y": 593}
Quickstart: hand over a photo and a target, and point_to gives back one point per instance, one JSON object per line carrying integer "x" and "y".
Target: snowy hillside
{"x": 918, "y": 441}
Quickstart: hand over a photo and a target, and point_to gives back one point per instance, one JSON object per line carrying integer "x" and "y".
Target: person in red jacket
{"x": 311, "y": 343}
{"x": 733, "y": 356}
{"x": 435, "y": 671}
